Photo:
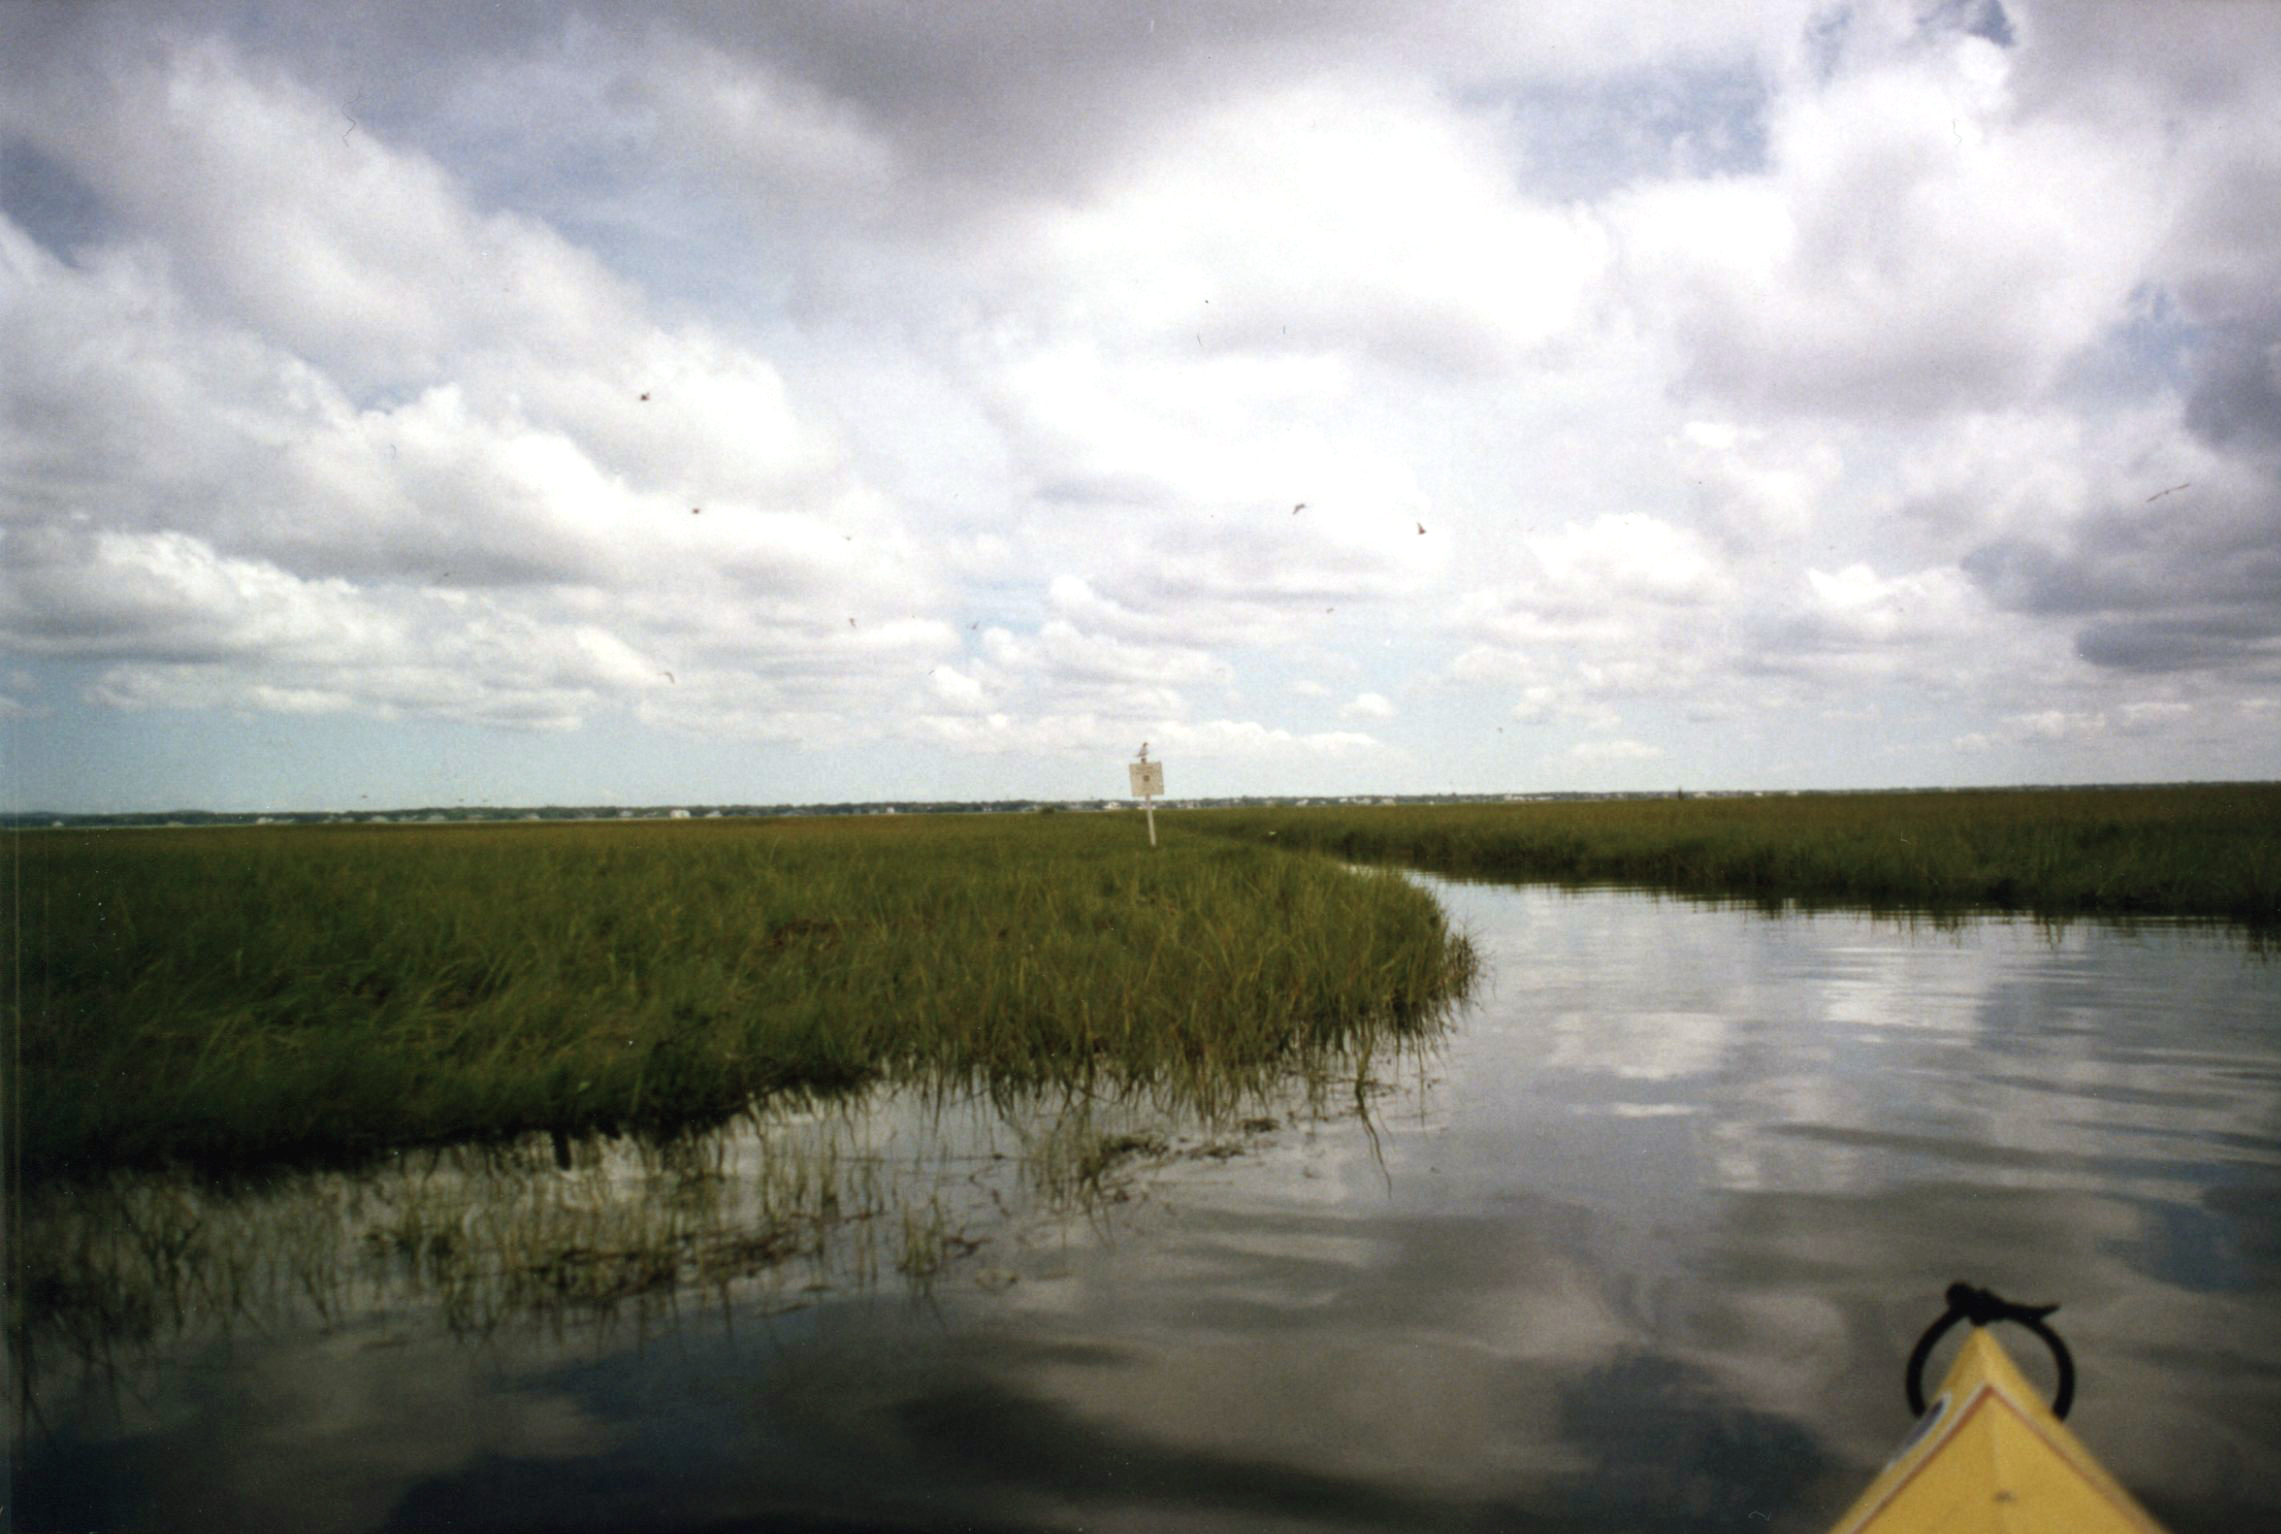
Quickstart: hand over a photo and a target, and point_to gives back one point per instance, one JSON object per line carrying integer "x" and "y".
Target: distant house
{"x": 676, "y": 814}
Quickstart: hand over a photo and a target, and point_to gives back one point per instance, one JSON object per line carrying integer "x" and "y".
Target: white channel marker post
{"x": 1148, "y": 781}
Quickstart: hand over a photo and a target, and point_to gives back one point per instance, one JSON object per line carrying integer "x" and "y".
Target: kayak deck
{"x": 1988, "y": 1455}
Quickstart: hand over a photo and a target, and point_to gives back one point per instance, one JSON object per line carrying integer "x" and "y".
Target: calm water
{"x": 1643, "y": 1244}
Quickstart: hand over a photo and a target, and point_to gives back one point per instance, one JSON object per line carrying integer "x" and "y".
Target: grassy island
{"x": 251, "y": 995}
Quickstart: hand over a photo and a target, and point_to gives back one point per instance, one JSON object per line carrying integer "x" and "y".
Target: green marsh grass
{"x": 221, "y": 998}
{"x": 2196, "y": 851}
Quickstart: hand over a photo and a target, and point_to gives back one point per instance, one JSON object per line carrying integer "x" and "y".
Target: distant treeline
{"x": 2202, "y": 851}
{"x": 481, "y": 813}
{"x": 432, "y": 813}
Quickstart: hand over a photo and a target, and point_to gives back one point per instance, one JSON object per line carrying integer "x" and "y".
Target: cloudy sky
{"x": 554, "y": 403}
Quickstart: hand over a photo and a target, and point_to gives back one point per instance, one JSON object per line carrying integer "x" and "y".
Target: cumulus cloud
{"x": 1623, "y": 607}
{"x": 1752, "y": 490}
{"x": 1607, "y": 751}
{"x": 366, "y": 260}
{"x": 1094, "y": 736}
{"x": 1369, "y": 221}
{"x": 1907, "y": 250}
{"x": 225, "y": 458}
{"x": 1026, "y": 385}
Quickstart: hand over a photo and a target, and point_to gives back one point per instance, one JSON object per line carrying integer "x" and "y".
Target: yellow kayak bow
{"x": 1987, "y": 1455}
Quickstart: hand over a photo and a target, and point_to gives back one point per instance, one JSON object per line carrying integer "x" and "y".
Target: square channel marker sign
{"x": 1148, "y": 778}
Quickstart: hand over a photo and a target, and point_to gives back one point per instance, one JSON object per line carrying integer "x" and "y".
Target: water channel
{"x": 1642, "y": 1243}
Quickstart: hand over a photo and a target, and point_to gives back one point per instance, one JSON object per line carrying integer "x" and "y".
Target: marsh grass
{"x": 2210, "y": 851}
{"x": 234, "y": 998}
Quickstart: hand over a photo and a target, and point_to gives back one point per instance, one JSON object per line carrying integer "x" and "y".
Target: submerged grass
{"x": 232, "y": 997}
{"x": 2203, "y": 851}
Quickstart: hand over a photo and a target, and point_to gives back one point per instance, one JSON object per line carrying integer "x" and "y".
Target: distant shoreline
{"x": 429, "y": 814}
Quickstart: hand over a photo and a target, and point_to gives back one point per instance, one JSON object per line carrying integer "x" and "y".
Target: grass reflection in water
{"x": 788, "y": 1204}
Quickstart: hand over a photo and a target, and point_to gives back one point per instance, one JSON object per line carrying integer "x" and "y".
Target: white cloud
{"x": 70, "y": 591}
{"x": 1870, "y": 384}
{"x": 1752, "y": 490}
{"x": 1096, "y": 736}
{"x": 2056, "y": 724}
{"x": 957, "y": 689}
{"x": 266, "y": 518}
{"x": 1856, "y": 608}
{"x": 1352, "y": 217}
{"x": 365, "y": 261}
{"x": 1909, "y": 249}
{"x": 1601, "y": 752}
{"x": 1623, "y": 607}
{"x": 2153, "y": 717}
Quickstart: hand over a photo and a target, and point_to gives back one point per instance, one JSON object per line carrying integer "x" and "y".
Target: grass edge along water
{"x": 2205, "y": 851}
{"x": 236, "y": 997}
